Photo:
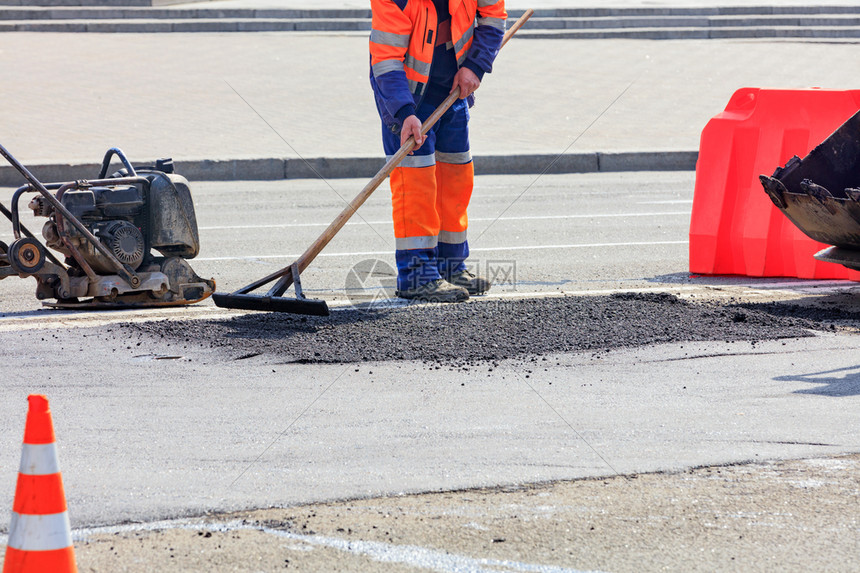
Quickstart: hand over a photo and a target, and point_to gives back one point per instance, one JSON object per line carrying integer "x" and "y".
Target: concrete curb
{"x": 367, "y": 167}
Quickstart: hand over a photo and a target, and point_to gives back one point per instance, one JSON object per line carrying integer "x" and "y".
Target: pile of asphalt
{"x": 489, "y": 330}
{"x": 843, "y": 313}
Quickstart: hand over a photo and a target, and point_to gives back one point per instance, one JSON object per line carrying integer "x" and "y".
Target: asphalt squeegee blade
{"x": 271, "y": 304}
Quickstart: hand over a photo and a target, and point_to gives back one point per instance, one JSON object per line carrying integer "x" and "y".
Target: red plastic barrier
{"x": 735, "y": 229}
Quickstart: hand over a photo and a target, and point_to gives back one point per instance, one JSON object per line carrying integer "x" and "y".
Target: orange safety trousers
{"x": 429, "y": 203}
{"x": 430, "y": 194}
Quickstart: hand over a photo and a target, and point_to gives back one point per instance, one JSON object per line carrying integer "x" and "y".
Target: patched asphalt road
{"x": 489, "y": 330}
{"x": 218, "y": 411}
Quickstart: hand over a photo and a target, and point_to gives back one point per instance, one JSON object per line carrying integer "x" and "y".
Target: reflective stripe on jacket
{"x": 402, "y": 40}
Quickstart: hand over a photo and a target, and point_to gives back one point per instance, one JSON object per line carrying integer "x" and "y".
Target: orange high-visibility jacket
{"x": 402, "y": 41}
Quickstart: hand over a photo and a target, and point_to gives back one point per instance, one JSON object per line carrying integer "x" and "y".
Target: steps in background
{"x": 78, "y": 3}
{"x": 593, "y": 23}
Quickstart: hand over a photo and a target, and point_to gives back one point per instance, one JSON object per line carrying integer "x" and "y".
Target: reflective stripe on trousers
{"x": 430, "y": 193}
{"x": 431, "y": 189}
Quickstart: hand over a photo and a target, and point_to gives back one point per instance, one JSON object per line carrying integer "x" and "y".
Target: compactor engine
{"x": 125, "y": 239}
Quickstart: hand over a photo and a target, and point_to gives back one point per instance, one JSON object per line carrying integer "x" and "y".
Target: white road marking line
{"x": 579, "y": 246}
{"x": 475, "y": 250}
{"x": 390, "y": 303}
{"x": 471, "y": 219}
{"x": 43, "y": 319}
{"x": 410, "y": 555}
{"x": 799, "y": 284}
{"x": 667, "y": 202}
{"x": 293, "y": 256}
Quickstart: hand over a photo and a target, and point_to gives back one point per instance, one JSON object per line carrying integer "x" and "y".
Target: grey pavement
{"x": 203, "y": 432}
{"x": 729, "y": 518}
{"x": 151, "y": 429}
{"x": 251, "y": 228}
{"x": 151, "y": 432}
{"x": 252, "y": 106}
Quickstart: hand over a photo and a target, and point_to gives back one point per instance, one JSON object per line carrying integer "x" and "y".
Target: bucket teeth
{"x": 818, "y": 191}
{"x": 774, "y": 189}
{"x": 853, "y": 194}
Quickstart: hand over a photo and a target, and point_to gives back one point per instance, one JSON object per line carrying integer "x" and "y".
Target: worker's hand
{"x": 468, "y": 82}
{"x": 412, "y": 127}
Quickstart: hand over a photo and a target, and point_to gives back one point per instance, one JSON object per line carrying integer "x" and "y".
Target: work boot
{"x": 470, "y": 281}
{"x": 438, "y": 290}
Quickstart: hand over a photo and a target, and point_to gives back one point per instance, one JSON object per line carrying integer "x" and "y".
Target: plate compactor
{"x": 108, "y": 230}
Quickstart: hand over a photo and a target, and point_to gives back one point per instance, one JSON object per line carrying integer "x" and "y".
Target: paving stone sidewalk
{"x": 523, "y": 4}
{"x": 257, "y": 104}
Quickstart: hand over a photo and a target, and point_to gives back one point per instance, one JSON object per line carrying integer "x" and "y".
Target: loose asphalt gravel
{"x": 487, "y": 331}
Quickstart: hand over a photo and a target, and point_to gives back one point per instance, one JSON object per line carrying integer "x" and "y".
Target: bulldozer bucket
{"x": 820, "y": 193}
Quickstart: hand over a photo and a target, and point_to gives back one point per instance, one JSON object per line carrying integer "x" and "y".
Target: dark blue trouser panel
{"x": 450, "y": 258}
{"x": 416, "y": 267}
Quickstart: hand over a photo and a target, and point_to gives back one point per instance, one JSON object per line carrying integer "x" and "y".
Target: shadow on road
{"x": 837, "y": 383}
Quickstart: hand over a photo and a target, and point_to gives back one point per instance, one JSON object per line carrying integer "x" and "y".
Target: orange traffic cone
{"x": 40, "y": 537}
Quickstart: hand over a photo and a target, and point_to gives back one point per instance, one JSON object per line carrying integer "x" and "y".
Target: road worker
{"x": 420, "y": 51}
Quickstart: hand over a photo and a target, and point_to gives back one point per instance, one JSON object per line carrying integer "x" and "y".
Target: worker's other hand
{"x": 468, "y": 82}
{"x": 412, "y": 127}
